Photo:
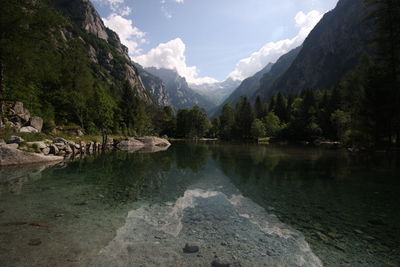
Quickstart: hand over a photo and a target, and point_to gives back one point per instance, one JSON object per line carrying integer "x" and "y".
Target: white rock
{"x": 28, "y": 129}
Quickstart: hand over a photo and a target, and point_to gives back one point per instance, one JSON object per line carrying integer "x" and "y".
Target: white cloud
{"x": 166, "y": 13}
{"x": 270, "y": 52}
{"x": 130, "y": 36}
{"x": 177, "y": 1}
{"x": 164, "y": 8}
{"x": 117, "y": 6}
{"x": 171, "y": 55}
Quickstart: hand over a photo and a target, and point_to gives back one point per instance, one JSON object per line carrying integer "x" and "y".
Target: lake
{"x": 239, "y": 204}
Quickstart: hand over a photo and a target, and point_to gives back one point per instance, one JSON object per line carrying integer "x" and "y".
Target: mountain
{"x": 268, "y": 79}
{"x": 155, "y": 86}
{"x": 58, "y": 59}
{"x": 178, "y": 91}
{"x": 332, "y": 49}
{"x": 109, "y": 56}
{"x": 248, "y": 86}
{"x": 216, "y": 92}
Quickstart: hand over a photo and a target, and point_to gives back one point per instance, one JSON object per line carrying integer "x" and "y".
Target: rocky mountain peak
{"x": 83, "y": 13}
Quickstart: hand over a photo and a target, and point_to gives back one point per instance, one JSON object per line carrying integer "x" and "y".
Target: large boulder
{"x": 130, "y": 142}
{"x": 12, "y": 156}
{"x": 21, "y": 112}
{"x": 28, "y": 129}
{"x": 37, "y": 123}
{"x": 153, "y": 141}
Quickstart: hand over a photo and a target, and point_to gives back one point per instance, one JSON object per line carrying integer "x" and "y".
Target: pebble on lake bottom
{"x": 35, "y": 242}
{"x": 191, "y": 248}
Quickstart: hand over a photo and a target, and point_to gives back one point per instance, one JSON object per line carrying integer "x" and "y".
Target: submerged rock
{"x": 35, "y": 242}
{"x": 191, "y": 248}
{"x": 218, "y": 263}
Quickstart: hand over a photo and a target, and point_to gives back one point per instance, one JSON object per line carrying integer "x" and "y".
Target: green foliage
{"x": 192, "y": 123}
{"x": 227, "y": 120}
{"x": 215, "y": 128}
{"x": 257, "y": 129}
{"x": 244, "y": 119}
{"x": 341, "y": 120}
{"x": 273, "y": 125}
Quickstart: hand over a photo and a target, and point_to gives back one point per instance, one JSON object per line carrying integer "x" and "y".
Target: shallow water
{"x": 246, "y": 205}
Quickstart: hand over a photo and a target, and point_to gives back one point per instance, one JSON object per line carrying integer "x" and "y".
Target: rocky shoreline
{"x": 16, "y": 151}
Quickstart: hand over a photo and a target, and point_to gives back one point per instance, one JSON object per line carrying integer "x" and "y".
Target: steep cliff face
{"x": 178, "y": 91}
{"x": 84, "y": 15}
{"x": 333, "y": 48}
{"x": 155, "y": 86}
{"x": 109, "y": 57}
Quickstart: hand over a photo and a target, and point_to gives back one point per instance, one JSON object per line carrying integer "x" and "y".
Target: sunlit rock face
{"x": 227, "y": 227}
{"x": 84, "y": 16}
{"x": 178, "y": 91}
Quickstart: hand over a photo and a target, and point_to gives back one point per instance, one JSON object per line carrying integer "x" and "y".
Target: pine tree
{"x": 259, "y": 108}
{"x": 384, "y": 16}
{"x": 244, "y": 119}
{"x": 280, "y": 108}
{"x": 227, "y": 121}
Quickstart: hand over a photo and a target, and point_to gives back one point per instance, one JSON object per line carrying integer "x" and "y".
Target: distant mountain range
{"x": 177, "y": 91}
{"x": 216, "y": 92}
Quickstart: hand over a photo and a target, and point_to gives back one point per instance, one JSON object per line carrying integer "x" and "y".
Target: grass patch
{"x": 264, "y": 140}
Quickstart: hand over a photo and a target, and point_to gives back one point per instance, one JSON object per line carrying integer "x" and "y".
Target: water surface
{"x": 246, "y": 205}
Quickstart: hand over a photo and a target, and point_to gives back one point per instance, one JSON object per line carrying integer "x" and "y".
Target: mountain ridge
{"x": 180, "y": 95}
{"x": 332, "y": 49}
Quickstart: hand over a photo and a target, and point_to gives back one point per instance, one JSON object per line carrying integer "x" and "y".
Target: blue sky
{"x": 208, "y": 40}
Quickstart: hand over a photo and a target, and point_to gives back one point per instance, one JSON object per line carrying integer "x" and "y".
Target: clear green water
{"x": 248, "y": 205}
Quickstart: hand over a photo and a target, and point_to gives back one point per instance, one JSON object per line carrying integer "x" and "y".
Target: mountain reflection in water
{"x": 244, "y": 204}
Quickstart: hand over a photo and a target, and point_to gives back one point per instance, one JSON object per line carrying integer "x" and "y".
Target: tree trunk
{"x": 105, "y": 140}
{"x": 1, "y": 87}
